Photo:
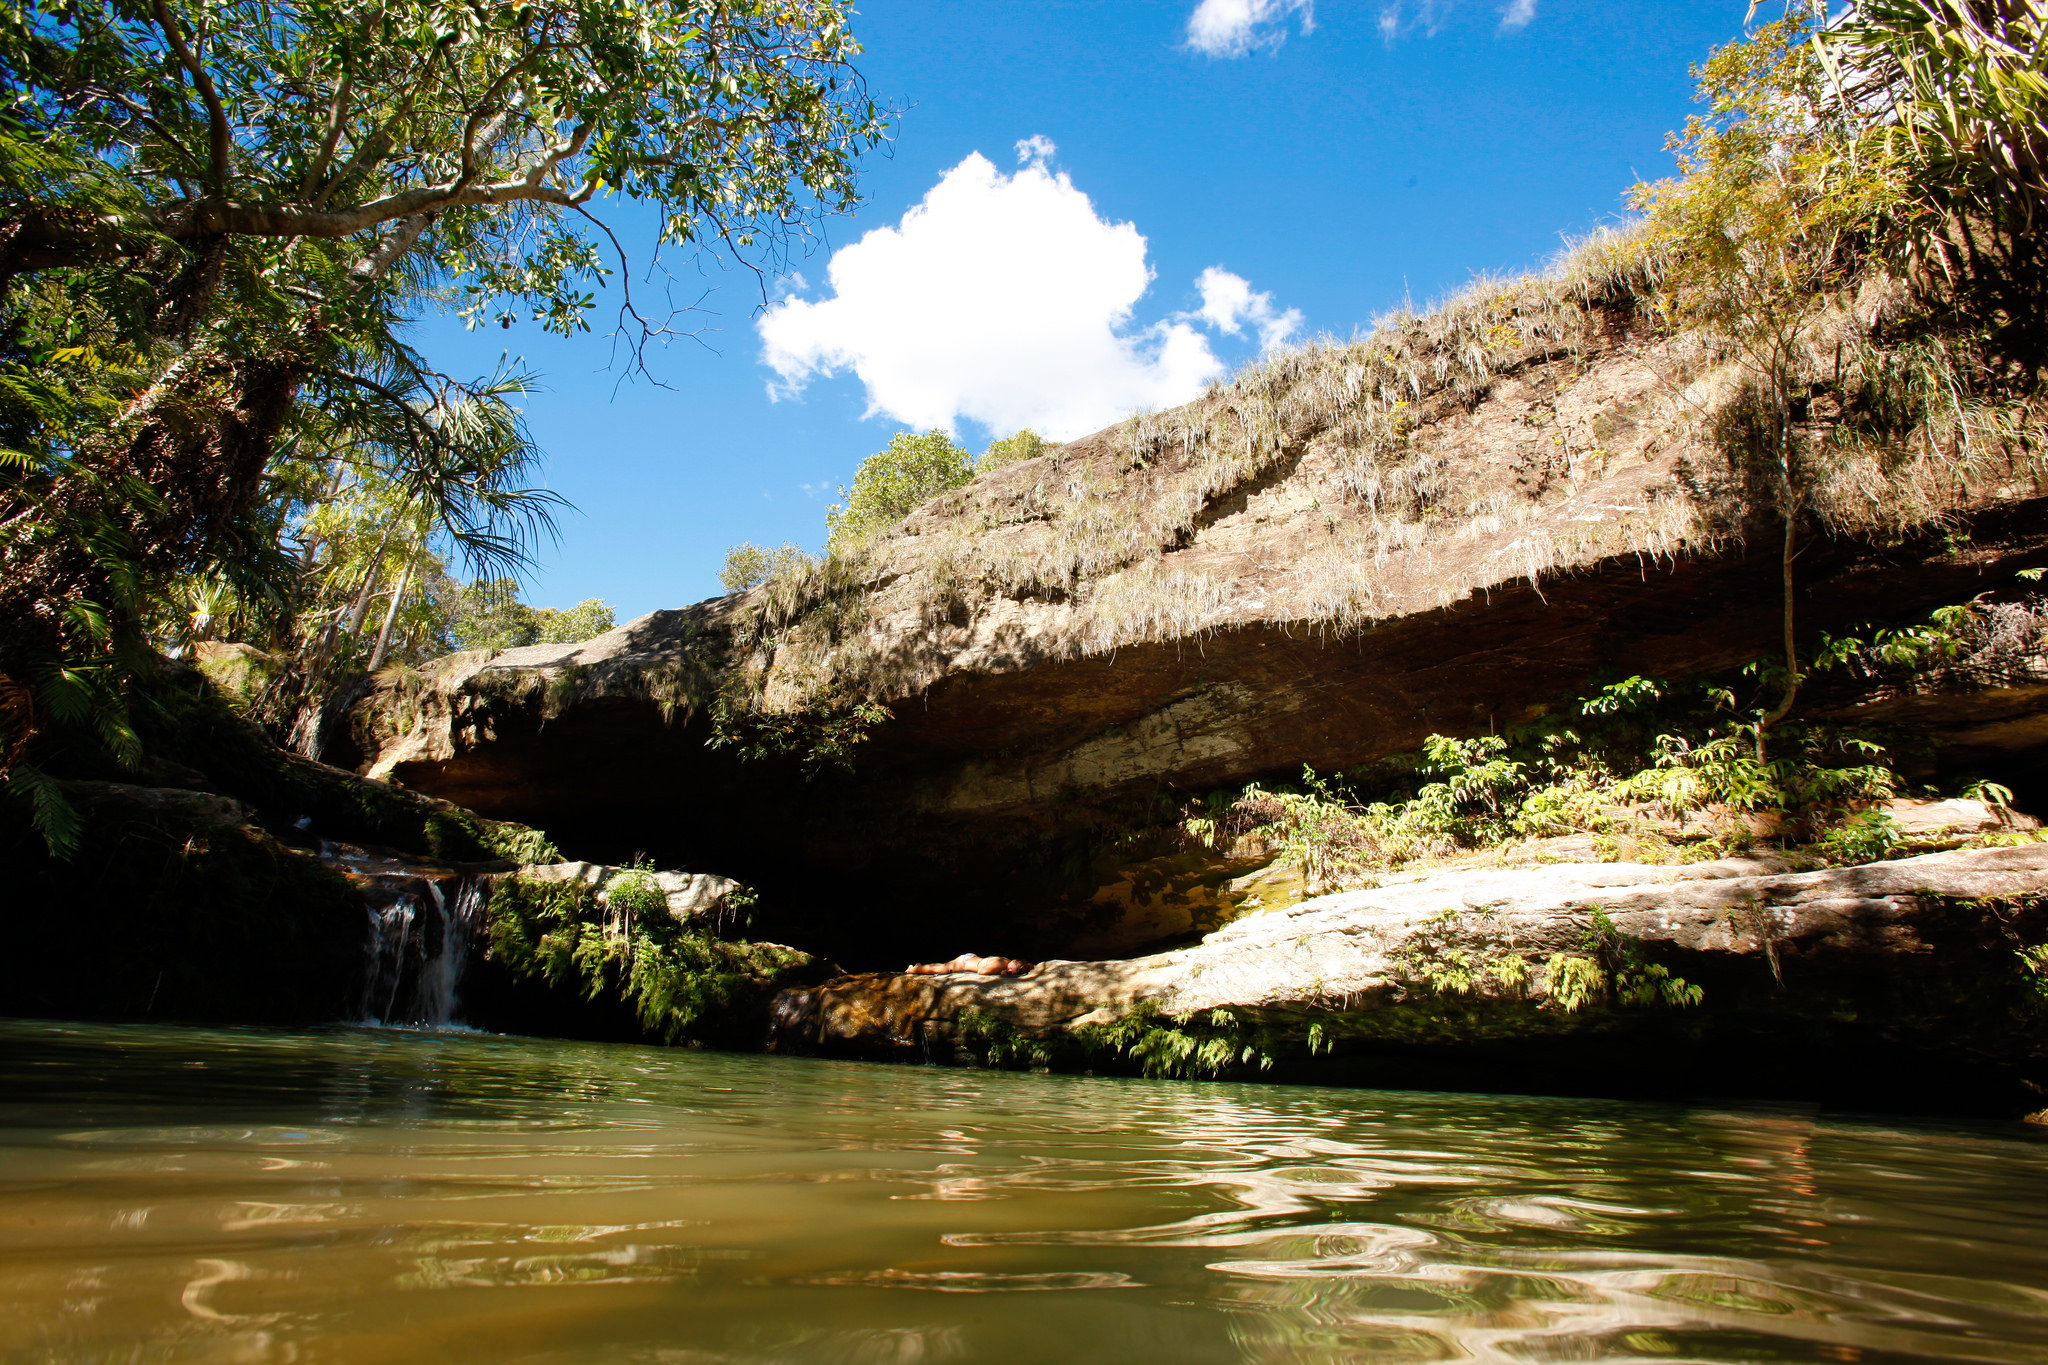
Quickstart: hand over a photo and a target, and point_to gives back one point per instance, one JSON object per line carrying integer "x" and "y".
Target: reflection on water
{"x": 182, "y": 1195}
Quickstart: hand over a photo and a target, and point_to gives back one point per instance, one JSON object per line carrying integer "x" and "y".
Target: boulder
{"x": 689, "y": 894}
{"x": 1957, "y": 816}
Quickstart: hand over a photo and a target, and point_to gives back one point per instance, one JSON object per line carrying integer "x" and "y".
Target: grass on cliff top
{"x": 1899, "y": 435}
{"x": 1812, "y": 367}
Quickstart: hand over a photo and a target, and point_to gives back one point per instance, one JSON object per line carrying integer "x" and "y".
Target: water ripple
{"x": 180, "y": 1195}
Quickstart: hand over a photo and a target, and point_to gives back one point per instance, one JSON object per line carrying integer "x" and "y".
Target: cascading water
{"x": 418, "y": 945}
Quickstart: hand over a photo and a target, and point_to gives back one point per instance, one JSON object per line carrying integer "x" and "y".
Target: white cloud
{"x": 1038, "y": 147}
{"x": 1228, "y": 302}
{"x": 1232, "y": 28}
{"x": 1007, "y": 300}
{"x": 1428, "y": 16}
{"x": 1518, "y": 14}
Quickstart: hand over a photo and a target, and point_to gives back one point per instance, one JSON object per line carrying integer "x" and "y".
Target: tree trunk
{"x": 390, "y": 615}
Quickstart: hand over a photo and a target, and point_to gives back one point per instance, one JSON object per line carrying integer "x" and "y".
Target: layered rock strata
{"x": 1448, "y": 527}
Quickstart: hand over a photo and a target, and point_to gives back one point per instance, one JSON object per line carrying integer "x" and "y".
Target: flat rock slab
{"x": 1359, "y": 948}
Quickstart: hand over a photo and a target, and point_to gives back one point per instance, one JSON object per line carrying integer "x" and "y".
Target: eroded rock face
{"x": 1298, "y": 571}
{"x": 1860, "y": 952}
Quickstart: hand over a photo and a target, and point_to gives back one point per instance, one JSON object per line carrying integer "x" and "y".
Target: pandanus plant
{"x": 1967, "y": 83}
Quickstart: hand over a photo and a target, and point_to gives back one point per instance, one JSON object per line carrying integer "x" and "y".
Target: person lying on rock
{"x": 968, "y": 962}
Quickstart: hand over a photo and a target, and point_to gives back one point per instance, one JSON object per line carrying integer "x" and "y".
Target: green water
{"x": 186, "y": 1195}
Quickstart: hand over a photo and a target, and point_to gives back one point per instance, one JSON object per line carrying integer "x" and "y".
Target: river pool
{"x": 172, "y": 1194}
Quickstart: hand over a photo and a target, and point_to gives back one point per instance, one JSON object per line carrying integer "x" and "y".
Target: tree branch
{"x": 337, "y": 119}
{"x": 216, "y": 116}
{"x": 389, "y": 251}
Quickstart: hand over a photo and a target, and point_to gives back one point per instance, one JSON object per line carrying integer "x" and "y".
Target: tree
{"x": 892, "y": 483}
{"x": 586, "y": 620}
{"x": 748, "y": 564}
{"x": 215, "y": 213}
{"x": 1969, "y": 80}
{"x": 1962, "y": 90}
{"x": 489, "y": 615}
{"x": 1784, "y": 192}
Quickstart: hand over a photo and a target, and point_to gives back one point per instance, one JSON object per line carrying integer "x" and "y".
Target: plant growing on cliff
{"x": 748, "y": 565}
{"x": 1025, "y": 445}
{"x": 1784, "y": 192}
{"x": 681, "y": 982}
{"x": 1866, "y": 836}
{"x": 894, "y": 482}
{"x": 1197, "y": 1044}
{"x": 635, "y": 895}
{"x": 1437, "y": 963}
{"x": 2034, "y": 964}
{"x": 822, "y": 733}
{"x": 1612, "y": 963}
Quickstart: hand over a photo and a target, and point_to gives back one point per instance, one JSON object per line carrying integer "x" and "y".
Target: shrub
{"x": 635, "y": 894}
{"x": 748, "y": 565}
{"x": 586, "y": 620}
{"x": 892, "y": 483}
{"x": 489, "y": 615}
{"x": 1868, "y": 836}
{"x": 1025, "y": 445}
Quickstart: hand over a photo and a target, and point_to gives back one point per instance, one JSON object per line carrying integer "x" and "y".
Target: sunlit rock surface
{"x": 1905, "y": 966}
{"x": 1321, "y": 564}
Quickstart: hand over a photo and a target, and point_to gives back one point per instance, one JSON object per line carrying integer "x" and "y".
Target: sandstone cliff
{"x": 1443, "y": 527}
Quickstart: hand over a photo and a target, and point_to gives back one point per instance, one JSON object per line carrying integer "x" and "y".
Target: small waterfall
{"x": 417, "y": 948}
{"x": 441, "y": 975}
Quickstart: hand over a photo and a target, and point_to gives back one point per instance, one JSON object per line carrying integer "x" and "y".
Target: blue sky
{"x": 1162, "y": 189}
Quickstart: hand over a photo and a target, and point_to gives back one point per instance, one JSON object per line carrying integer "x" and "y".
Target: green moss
{"x": 186, "y": 722}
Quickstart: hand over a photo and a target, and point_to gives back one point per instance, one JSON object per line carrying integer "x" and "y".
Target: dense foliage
{"x": 489, "y": 615}
{"x": 1655, "y": 771}
{"x": 681, "y": 979}
{"x": 747, "y": 565}
{"x": 214, "y": 217}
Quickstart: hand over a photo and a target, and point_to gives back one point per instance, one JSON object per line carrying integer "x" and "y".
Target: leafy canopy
{"x": 470, "y": 138}
{"x": 489, "y": 615}
{"x": 216, "y": 215}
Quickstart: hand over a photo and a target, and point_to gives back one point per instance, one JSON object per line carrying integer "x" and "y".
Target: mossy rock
{"x": 187, "y": 722}
{"x": 241, "y": 673}
{"x": 173, "y": 908}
